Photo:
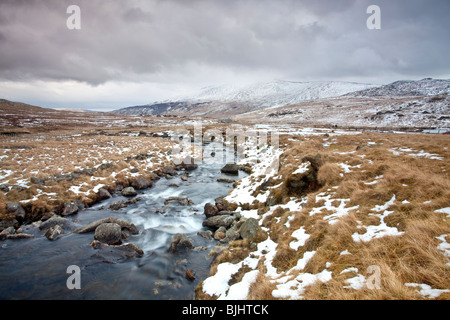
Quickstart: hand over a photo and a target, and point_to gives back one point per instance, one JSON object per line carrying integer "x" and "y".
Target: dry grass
{"x": 59, "y": 154}
{"x": 367, "y": 170}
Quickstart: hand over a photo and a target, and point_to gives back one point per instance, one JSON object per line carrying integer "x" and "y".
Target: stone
{"x": 188, "y": 164}
{"x": 190, "y": 274}
{"x": 115, "y": 253}
{"x": 169, "y": 170}
{"x": 210, "y": 210}
{"x": 218, "y": 221}
{"x": 104, "y": 194}
{"x": 208, "y": 235}
{"x": 54, "y": 232}
{"x": 122, "y": 223}
{"x": 109, "y": 233}
{"x": 230, "y": 168}
{"x": 4, "y": 188}
{"x": 7, "y": 232}
{"x": 220, "y": 233}
{"x": 129, "y": 192}
{"x": 56, "y": 221}
{"x": 141, "y": 183}
{"x": 221, "y": 204}
{"x": 180, "y": 242}
{"x": 232, "y": 235}
{"x": 16, "y": 209}
{"x": 249, "y": 228}
{"x": 38, "y": 181}
{"x": 227, "y": 180}
{"x": 182, "y": 201}
{"x": 69, "y": 208}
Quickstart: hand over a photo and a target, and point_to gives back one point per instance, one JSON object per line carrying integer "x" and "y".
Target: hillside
{"x": 217, "y": 101}
{"x": 424, "y": 87}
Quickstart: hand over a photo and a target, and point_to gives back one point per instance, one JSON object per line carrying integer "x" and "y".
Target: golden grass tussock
{"x": 366, "y": 171}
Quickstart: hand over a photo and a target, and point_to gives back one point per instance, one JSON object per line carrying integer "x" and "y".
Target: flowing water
{"x": 36, "y": 268}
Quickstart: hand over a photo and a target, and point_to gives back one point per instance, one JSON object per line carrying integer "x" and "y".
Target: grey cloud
{"x": 136, "y": 40}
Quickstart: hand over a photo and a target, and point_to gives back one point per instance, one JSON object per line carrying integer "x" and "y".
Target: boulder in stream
{"x": 218, "y": 221}
{"x": 141, "y": 183}
{"x": 122, "y": 223}
{"x": 129, "y": 192}
{"x": 116, "y": 253}
{"x": 109, "y": 233}
{"x": 210, "y": 210}
{"x": 54, "y": 232}
{"x": 230, "y": 168}
{"x": 180, "y": 242}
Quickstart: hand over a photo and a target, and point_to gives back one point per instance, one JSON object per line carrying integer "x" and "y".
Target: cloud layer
{"x": 182, "y": 44}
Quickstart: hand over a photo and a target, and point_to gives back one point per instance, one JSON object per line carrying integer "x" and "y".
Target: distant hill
{"x": 232, "y": 99}
{"x": 424, "y": 87}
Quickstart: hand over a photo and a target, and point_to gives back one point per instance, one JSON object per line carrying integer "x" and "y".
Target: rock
{"x": 184, "y": 177}
{"x": 141, "y": 183}
{"x": 228, "y": 180}
{"x": 232, "y": 235}
{"x": 103, "y": 194}
{"x": 182, "y": 201}
{"x": 134, "y": 170}
{"x": 115, "y": 253}
{"x": 6, "y": 232}
{"x": 109, "y": 233}
{"x": 4, "y": 188}
{"x": 16, "y": 209}
{"x": 220, "y": 233}
{"x": 208, "y": 235}
{"x": 122, "y": 223}
{"x": 249, "y": 228}
{"x": 188, "y": 164}
{"x": 122, "y": 204}
{"x": 180, "y": 242}
{"x": 129, "y": 192}
{"x": 4, "y": 224}
{"x": 38, "y": 181}
{"x": 17, "y": 188}
{"x": 169, "y": 170}
{"x": 230, "y": 168}
{"x": 56, "y": 221}
{"x": 53, "y": 232}
{"x": 221, "y": 204}
{"x": 153, "y": 176}
{"x": 69, "y": 208}
{"x": 218, "y": 221}
{"x": 190, "y": 274}
{"x": 19, "y": 236}
{"x": 316, "y": 161}
{"x": 247, "y": 168}
{"x": 210, "y": 210}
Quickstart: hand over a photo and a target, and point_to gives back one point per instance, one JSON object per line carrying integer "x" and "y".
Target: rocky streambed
{"x": 142, "y": 242}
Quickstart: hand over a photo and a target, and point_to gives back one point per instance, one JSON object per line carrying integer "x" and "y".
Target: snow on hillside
{"x": 277, "y": 93}
{"x": 424, "y": 87}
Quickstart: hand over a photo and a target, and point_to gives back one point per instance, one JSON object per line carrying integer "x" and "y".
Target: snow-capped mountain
{"x": 277, "y": 93}
{"x": 234, "y": 99}
{"x": 424, "y": 87}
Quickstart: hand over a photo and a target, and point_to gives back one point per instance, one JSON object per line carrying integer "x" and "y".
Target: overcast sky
{"x": 139, "y": 51}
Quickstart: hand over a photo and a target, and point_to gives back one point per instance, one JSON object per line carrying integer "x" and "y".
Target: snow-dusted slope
{"x": 236, "y": 99}
{"x": 424, "y": 87}
{"x": 277, "y": 93}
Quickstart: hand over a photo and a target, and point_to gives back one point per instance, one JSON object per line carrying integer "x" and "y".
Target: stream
{"x": 36, "y": 268}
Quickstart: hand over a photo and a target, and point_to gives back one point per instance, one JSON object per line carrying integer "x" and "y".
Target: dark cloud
{"x": 162, "y": 41}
